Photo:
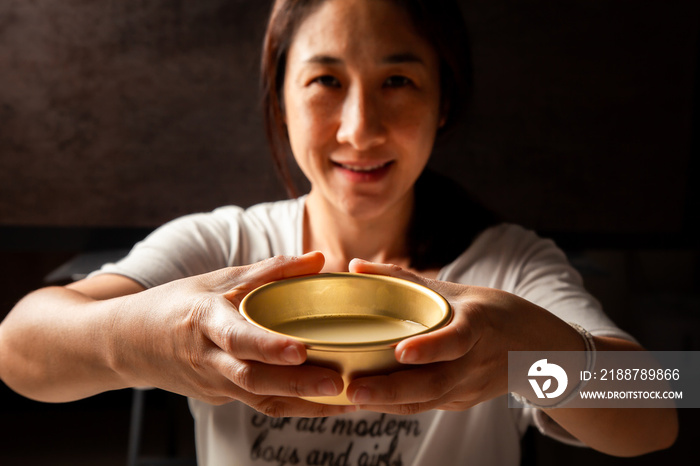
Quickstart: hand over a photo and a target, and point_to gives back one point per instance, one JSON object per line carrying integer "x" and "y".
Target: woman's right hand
{"x": 188, "y": 337}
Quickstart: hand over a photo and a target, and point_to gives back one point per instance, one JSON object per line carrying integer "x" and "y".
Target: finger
{"x": 274, "y": 406}
{"x": 225, "y": 391}
{"x": 400, "y": 410}
{"x": 281, "y": 267}
{"x": 363, "y": 266}
{"x": 233, "y": 334}
{"x": 457, "y": 405}
{"x": 419, "y": 385}
{"x": 269, "y": 380}
{"x": 415, "y": 408}
{"x": 242, "y": 280}
{"x": 444, "y": 344}
{"x": 446, "y": 289}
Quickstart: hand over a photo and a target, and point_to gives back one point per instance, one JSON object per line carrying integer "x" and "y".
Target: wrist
{"x": 117, "y": 328}
{"x": 574, "y": 363}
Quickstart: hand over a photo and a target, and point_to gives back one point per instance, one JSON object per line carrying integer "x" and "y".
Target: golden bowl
{"x": 349, "y": 322}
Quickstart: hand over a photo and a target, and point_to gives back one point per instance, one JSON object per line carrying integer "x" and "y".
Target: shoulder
{"x": 509, "y": 238}
{"x": 202, "y": 242}
{"x": 270, "y": 229}
{"x": 275, "y": 214}
{"x": 260, "y": 231}
{"x": 223, "y": 221}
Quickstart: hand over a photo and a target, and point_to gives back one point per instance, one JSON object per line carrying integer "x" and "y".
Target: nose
{"x": 361, "y": 123}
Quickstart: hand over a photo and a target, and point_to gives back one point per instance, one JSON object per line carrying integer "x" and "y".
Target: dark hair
{"x": 440, "y": 231}
{"x": 440, "y": 22}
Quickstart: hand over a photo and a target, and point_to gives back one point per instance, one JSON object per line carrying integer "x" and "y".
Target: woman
{"x": 359, "y": 89}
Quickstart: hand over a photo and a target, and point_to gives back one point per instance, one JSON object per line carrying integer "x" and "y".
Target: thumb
{"x": 443, "y": 344}
{"x": 363, "y": 266}
{"x": 447, "y": 289}
{"x": 281, "y": 267}
{"x": 247, "y": 278}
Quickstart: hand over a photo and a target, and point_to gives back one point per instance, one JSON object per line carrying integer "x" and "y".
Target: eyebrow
{"x": 324, "y": 60}
{"x": 405, "y": 57}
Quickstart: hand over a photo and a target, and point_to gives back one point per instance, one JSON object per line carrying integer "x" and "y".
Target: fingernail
{"x": 328, "y": 388}
{"x": 292, "y": 355}
{"x": 361, "y": 395}
{"x": 408, "y": 356}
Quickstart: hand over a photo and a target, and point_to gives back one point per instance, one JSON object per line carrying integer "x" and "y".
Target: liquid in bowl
{"x": 349, "y": 329}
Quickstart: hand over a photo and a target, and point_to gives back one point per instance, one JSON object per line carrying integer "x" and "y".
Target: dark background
{"x": 117, "y": 116}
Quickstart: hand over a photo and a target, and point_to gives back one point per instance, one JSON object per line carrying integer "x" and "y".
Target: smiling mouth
{"x": 364, "y": 169}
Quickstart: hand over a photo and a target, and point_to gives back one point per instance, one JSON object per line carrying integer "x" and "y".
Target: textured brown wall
{"x": 130, "y": 112}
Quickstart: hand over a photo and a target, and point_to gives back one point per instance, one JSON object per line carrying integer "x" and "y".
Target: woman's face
{"x": 362, "y": 104}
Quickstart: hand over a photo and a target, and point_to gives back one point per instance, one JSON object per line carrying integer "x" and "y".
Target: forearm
{"x": 615, "y": 431}
{"x": 55, "y": 346}
{"x": 621, "y": 431}
{"x": 472, "y": 352}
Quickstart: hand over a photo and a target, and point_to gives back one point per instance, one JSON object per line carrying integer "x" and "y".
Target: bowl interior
{"x": 342, "y": 298}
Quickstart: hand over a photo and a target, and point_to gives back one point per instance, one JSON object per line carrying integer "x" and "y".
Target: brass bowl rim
{"x": 371, "y": 345}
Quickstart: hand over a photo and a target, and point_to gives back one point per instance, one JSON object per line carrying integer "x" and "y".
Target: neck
{"x": 342, "y": 237}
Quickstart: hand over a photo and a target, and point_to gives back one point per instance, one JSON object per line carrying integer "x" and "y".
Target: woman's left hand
{"x": 464, "y": 363}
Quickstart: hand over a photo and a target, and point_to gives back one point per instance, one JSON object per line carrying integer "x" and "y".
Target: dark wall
{"x": 128, "y": 113}
{"x": 583, "y": 112}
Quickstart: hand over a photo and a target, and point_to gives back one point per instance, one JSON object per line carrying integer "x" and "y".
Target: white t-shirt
{"x": 506, "y": 257}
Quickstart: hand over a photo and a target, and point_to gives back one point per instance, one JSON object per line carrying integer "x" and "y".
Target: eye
{"x": 397, "y": 81}
{"x": 327, "y": 81}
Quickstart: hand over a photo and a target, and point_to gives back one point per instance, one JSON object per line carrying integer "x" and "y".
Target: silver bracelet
{"x": 590, "y": 365}
{"x": 590, "y": 345}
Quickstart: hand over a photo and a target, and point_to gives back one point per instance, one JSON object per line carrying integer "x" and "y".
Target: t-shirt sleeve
{"x": 517, "y": 260}
{"x": 514, "y": 259}
{"x": 543, "y": 275}
{"x": 187, "y": 246}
